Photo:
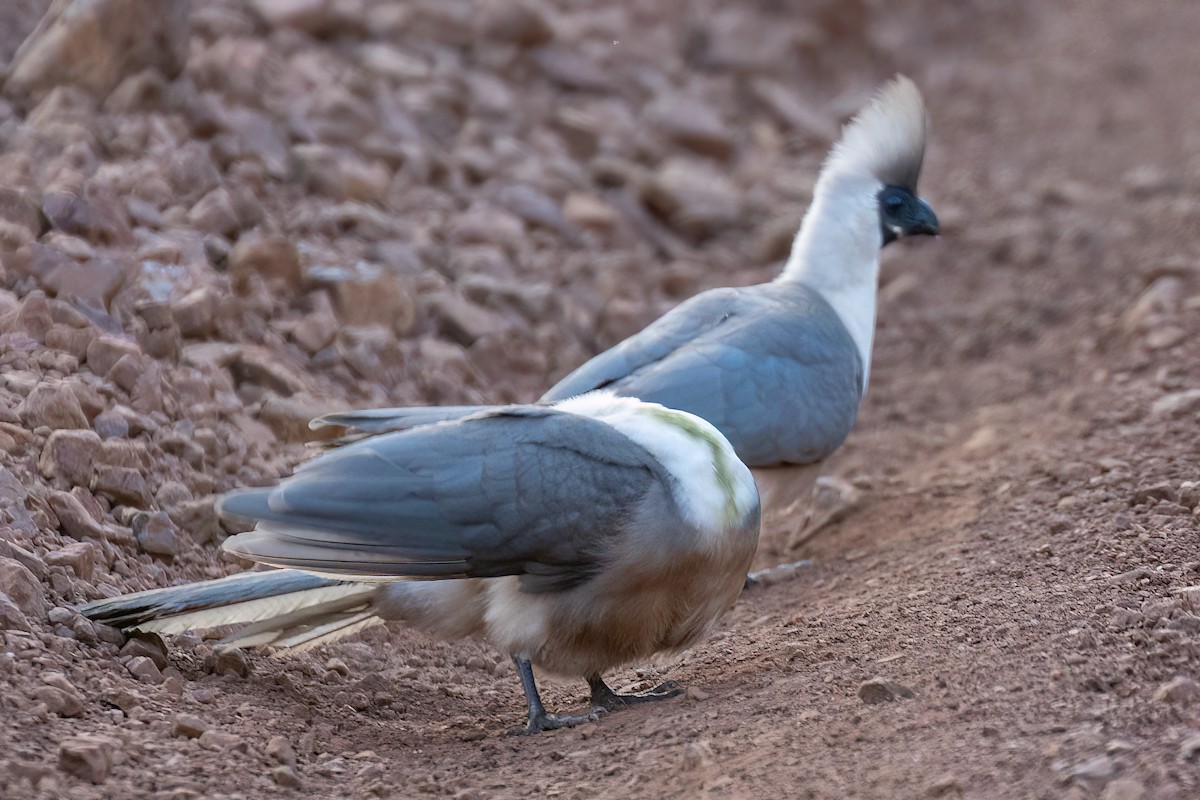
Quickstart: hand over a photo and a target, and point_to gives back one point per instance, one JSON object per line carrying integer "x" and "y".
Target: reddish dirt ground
{"x": 1021, "y": 569}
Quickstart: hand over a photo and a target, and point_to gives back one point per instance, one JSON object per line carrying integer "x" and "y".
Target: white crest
{"x": 886, "y": 139}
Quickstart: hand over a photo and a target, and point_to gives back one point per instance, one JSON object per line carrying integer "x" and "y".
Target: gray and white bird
{"x": 779, "y": 368}
{"x": 577, "y": 536}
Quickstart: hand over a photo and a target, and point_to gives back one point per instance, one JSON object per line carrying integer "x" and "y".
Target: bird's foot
{"x": 551, "y": 722}
{"x": 605, "y": 698}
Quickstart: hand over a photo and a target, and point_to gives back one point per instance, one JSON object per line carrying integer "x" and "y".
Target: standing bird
{"x": 779, "y": 368}
{"x": 576, "y": 536}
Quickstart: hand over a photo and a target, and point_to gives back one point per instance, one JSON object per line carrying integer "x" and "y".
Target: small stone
{"x": 1123, "y": 789}
{"x": 88, "y": 757}
{"x": 79, "y": 556}
{"x": 1176, "y": 404}
{"x": 122, "y": 485}
{"x": 463, "y": 321}
{"x": 691, "y": 123}
{"x": 22, "y": 587}
{"x": 158, "y": 535}
{"x": 144, "y": 669}
{"x": 105, "y": 351}
{"x": 366, "y": 294}
{"x": 287, "y": 777}
{"x": 288, "y": 417}
{"x": 73, "y": 518}
{"x": 266, "y": 257}
{"x": 693, "y": 197}
{"x": 280, "y": 749}
{"x": 59, "y": 701}
{"x": 53, "y": 405}
{"x": 194, "y": 312}
{"x": 219, "y": 740}
{"x": 189, "y": 726}
{"x": 12, "y": 618}
{"x": 944, "y": 786}
{"x": 231, "y": 662}
{"x": 1097, "y": 769}
{"x": 1181, "y": 691}
{"x": 696, "y": 755}
{"x": 96, "y": 45}
{"x": 147, "y": 644}
{"x": 881, "y": 690}
{"x": 110, "y": 425}
{"x": 1189, "y": 747}
{"x": 590, "y": 213}
{"x": 522, "y": 23}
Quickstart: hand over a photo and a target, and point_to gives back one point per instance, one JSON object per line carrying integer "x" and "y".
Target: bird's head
{"x": 885, "y": 144}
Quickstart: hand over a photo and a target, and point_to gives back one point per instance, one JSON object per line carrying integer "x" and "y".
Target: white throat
{"x": 836, "y": 253}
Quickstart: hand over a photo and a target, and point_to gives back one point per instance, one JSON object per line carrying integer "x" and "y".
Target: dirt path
{"x": 1015, "y": 573}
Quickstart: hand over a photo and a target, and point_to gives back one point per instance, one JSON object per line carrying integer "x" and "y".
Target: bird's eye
{"x": 893, "y": 202}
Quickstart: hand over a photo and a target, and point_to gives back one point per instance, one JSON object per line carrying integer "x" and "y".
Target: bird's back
{"x": 770, "y": 366}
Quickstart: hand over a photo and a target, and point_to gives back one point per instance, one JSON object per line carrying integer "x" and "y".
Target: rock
{"x": 216, "y": 213}
{"x": 694, "y": 198}
{"x": 189, "y": 726}
{"x": 122, "y": 485}
{"x": 1180, "y": 691}
{"x": 79, "y": 556}
{"x": 1123, "y": 789}
{"x": 571, "y": 69}
{"x": 54, "y": 405}
{"x": 73, "y": 518}
{"x": 157, "y": 534}
{"x": 288, "y": 417}
{"x": 70, "y": 455}
{"x": 463, "y": 321}
{"x": 696, "y": 755}
{"x": 144, "y": 669}
{"x": 219, "y": 740}
{"x": 104, "y": 352}
{"x": 1176, "y": 404}
{"x": 782, "y": 102}
{"x": 691, "y": 123}
{"x": 231, "y": 662}
{"x": 319, "y": 18}
{"x": 287, "y": 777}
{"x": 148, "y": 645}
{"x": 523, "y": 23}
{"x": 89, "y": 757}
{"x": 538, "y": 209}
{"x": 318, "y": 327}
{"x": 199, "y": 518}
{"x": 280, "y": 749}
{"x": 95, "y": 44}
{"x": 1189, "y": 747}
{"x": 193, "y": 313}
{"x": 22, "y": 587}
{"x": 99, "y": 219}
{"x": 590, "y": 212}
{"x": 486, "y": 225}
{"x": 1148, "y": 495}
{"x": 110, "y": 425}
{"x": 268, "y": 257}
{"x": 339, "y": 174}
{"x": 12, "y": 618}
{"x": 366, "y": 294}
{"x": 1161, "y": 299}
{"x": 1097, "y": 770}
{"x": 880, "y": 690}
{"x": 22, "y": 212}
{"x": 59, "y": 701}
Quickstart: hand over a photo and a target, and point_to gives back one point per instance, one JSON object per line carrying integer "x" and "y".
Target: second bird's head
{"x": 885, "y": 143}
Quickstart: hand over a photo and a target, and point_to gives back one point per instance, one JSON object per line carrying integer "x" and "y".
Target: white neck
{"x": 836, "y": 253}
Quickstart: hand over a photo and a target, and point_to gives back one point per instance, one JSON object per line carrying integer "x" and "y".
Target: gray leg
{"x": 604, "y": 697}
{"x": 539, "y": 720}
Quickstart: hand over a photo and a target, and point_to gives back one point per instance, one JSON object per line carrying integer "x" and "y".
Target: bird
{"x": 576, "y": 536}
{"x": 780, "y": 368}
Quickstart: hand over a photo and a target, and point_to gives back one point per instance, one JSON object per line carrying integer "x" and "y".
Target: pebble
{"x": 280, "y": 749}
{"x": 12, "y": 618}
{"x": 73, "y": 518}
{"x": 59, "y": 701}
{"x": 88, "y": 756}
{"x": 880, "y": 690}
{"x": 189, "y": 726}
{"x": 287, "y": 777}
{"x": 122, "y": 485}
{"x": 1190, "y": 746}
{"x": 1123, "y": 789}
{"x": 696, "y": 755}
{"x": 1180, "y": 691}
{"x": 266, "y": 257}
{"x": 79, "y": 556}
{"x": 144, "y": 669}
{"x": 23, "y": 588}
{"x": 158, "y": 535}
{"x": 53, "y": 405}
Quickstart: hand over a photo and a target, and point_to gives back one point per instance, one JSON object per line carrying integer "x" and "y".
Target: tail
{"x": 371, "y": 422}
{"x": 284, "y": 608}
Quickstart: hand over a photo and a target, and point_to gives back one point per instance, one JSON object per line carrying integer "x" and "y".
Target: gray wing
{"x": 525, "y": 491}
{"x": 696, "y": 317}
{"x": 771, "y": 366}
